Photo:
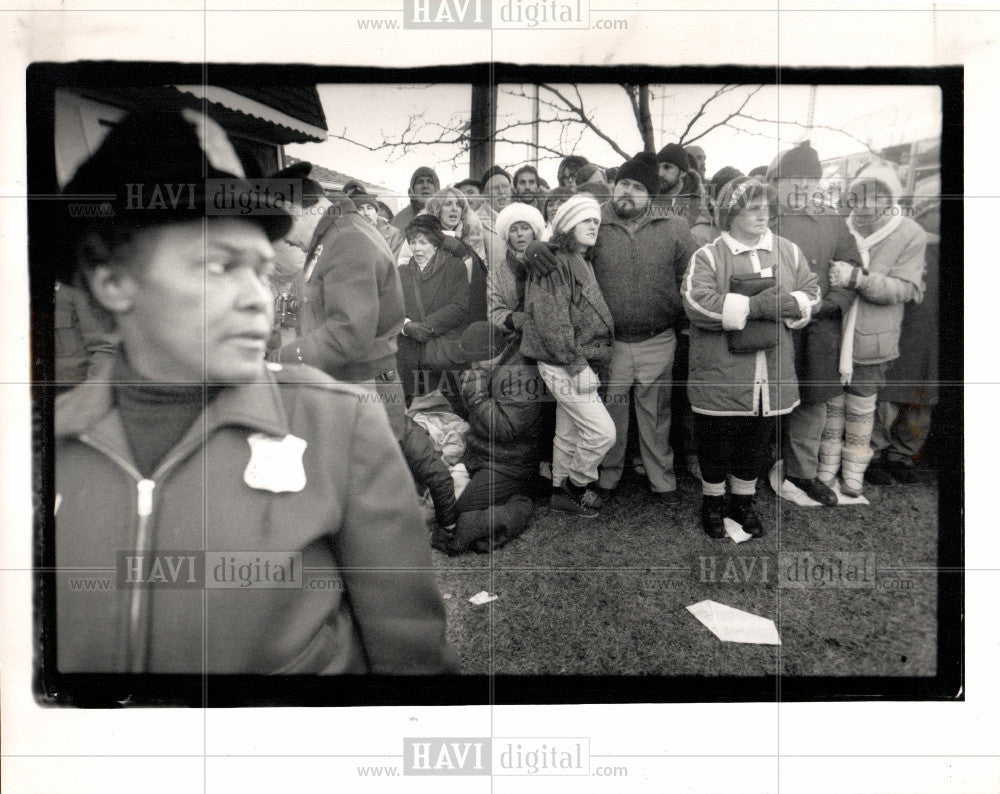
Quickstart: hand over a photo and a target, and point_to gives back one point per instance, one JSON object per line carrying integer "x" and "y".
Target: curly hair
{"x": 470, "y": 229}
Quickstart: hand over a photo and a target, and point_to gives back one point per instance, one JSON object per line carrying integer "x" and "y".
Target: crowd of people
{"x": 542, "y": 319}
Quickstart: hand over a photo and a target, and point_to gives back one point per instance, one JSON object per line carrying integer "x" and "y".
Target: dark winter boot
{"x": 569, "y": 498}
{"x": 473, "y": 526}
{"x": 877, "y": 473}
{"x": 713, "y": 511}
{"x": 742, "y": 512}
{"x": 815, "y": 490}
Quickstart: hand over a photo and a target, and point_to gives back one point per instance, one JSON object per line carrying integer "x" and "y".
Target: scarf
{"x": 865, "y": 244}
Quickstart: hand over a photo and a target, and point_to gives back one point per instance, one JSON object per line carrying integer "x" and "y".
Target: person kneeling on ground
{"x": 568, "y": 332}
{"x": 503, "y": 395}
{"x": 742, "y": 293}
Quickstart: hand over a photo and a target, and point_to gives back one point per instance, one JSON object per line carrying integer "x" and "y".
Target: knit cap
{"x": 673, "y": 153}
{"x": 425, "y": 170}
{"x": 799, "y": 161}
{"x": 729, "y": 197}
{"x": 513, "y": 213}
{"x": 575, "y": 209}
{"x": 643, "y": 169}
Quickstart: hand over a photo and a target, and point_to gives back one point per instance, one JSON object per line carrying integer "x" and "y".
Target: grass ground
{"x": 608, "y": 595}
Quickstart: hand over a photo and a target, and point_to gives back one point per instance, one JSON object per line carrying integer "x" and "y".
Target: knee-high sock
{"x": 831, "y": 443}
{"x": 860, "y": 419}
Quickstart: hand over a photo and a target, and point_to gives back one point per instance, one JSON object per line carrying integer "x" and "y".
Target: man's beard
{"x": 665, "y": 186}
{"x": 625, "y": 207}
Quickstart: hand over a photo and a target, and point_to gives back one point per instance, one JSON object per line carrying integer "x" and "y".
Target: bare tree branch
{"x": 724, "y": 122}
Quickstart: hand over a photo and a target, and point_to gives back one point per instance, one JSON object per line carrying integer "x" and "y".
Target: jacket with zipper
{"x": 761, "y": 383}
{"x": 353, "y": 517}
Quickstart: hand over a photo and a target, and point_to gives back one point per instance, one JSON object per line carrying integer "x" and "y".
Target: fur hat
{"x": 427, "y": 225}
{"x": 673, "y": 153}
{"x": 644, "y": 169}
{"x": 799, "y": 161}
{"x": 513, "y": 213}
{"x": 574, "y": 210}
{"x": 732, "y": 199}
{"x": 884, "y": 175}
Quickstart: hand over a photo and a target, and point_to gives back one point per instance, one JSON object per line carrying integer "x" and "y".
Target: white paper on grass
{"x": 735, "y": 531}
{"x": 734, "y": 625}
{"x": 791, "y": 492}
{"x": 482, "y": 597}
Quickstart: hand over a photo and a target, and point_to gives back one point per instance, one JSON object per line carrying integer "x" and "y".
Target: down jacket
{"x": 722, "y": 383}
{"x": 294, "y": 463}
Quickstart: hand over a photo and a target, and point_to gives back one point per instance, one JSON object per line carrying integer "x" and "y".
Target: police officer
{"x": 352, "y": 305}
{"x": 262, "y": 474}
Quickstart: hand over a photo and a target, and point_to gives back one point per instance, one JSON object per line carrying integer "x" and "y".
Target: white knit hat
{"x": 575, "y": 209}
{"x": 515, "y": 213}
{"x": 883, "y": 173}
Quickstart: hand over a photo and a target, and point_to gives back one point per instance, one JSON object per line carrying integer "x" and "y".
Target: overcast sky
{"x": 883, "y": 115}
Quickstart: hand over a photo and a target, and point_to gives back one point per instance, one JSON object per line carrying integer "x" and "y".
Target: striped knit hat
{"x": 730, "y": 197}
{"x": 581, "y": 207}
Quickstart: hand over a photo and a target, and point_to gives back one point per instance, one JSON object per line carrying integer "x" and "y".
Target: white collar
{"x": 766, "y": 242}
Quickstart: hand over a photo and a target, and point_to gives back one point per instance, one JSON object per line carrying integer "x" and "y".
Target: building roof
{"x": 278, "y": 115}
{"x": 335, "y": 180}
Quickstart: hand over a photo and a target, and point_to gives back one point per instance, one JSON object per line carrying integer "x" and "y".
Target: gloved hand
{"x": 841, "y": 274}
{"x": 473, "y": 386}
{"x": 453, "y": 246}
{"x": 540, "y": 257}
{"x": 421, "y": 332}
{"x": 826, "y": 310}
{"x": 764, "y": 305}
{"x": 515, "y": 321}
{"x": 788, "y": 307}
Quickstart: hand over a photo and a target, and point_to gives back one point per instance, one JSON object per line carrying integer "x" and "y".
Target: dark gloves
{"x": 764, "y": 305}
{"x": 540, "y": 257}
{"x": 421, "y": 332}
{"x": 454, "y": 246}
{"x": 788, "y": 307}
{"x": 826, "y": 310}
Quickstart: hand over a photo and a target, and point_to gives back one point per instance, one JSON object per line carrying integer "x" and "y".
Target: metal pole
{"x": 535, "y": 118}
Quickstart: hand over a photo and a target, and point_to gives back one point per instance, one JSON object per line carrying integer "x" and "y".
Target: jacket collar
{"x": 654, "y": 212}
{"x": 879, "y": 234}
{"x": 89, "y": 409}
{"x": 765, "y": 243}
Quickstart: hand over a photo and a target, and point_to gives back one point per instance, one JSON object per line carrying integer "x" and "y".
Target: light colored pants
{"x": 584, "y": 430}
{"x": 902, "y": 429}
{"x": 648, "y": 365}
{"x": 800, "y": 444}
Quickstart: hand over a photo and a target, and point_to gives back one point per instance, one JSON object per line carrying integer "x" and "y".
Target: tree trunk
{"x": 646, "y": 121}
{"x": 482, "y": 129}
